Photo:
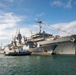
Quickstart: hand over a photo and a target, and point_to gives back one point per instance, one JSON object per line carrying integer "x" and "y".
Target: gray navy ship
{"x": 44, "y": 43}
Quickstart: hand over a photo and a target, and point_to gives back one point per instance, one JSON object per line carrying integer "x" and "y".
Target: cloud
{"x": 61, "y": 3}
{"x": 56, "y": 3}
{"x": 69, "y": 4}
{"x": 41, "y": 14}
{"x": 65, "y": 28}
{"x": 10, "y": 0}
{"x": 2, "y": 4}
{"x": 8, "y": 22}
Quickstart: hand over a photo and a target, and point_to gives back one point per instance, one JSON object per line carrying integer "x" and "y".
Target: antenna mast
{"x": 40, "y": 28}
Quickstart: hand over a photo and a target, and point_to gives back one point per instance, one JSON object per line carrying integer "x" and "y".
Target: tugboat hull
{"x": 18, "y": 54}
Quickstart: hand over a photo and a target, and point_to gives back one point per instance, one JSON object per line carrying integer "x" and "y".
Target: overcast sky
{"x": 21, "y": 14}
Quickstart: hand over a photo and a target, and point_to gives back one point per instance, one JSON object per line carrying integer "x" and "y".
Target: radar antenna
{"x": 40, "y": 27}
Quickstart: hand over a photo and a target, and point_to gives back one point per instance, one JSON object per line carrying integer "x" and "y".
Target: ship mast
{"x": 1, "y": 46}
{"x": 40, "y": 28}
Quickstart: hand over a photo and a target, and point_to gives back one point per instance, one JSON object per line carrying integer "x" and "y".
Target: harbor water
{"x": 38, "y": 65}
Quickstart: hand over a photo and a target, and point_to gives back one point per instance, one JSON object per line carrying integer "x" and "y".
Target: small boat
{"x": 16, "y": 52}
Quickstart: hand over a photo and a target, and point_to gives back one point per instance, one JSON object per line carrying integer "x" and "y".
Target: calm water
{"x": 38, "y": 65}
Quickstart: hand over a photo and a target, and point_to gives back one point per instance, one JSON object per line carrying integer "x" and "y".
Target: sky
{"x": 22, "y": 14}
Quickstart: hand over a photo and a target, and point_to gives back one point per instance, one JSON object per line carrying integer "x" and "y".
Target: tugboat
{"x": 16, "y": 48}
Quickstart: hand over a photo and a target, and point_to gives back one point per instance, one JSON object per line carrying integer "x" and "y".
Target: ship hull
{"x": 39, "y": 51}
{"x": 61, "y": 48}
{"x": 56, "y": 48}
{"x": 62, "y": 45}
{"x": 16, "y": 52}
{"x": 65, "y": 48}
